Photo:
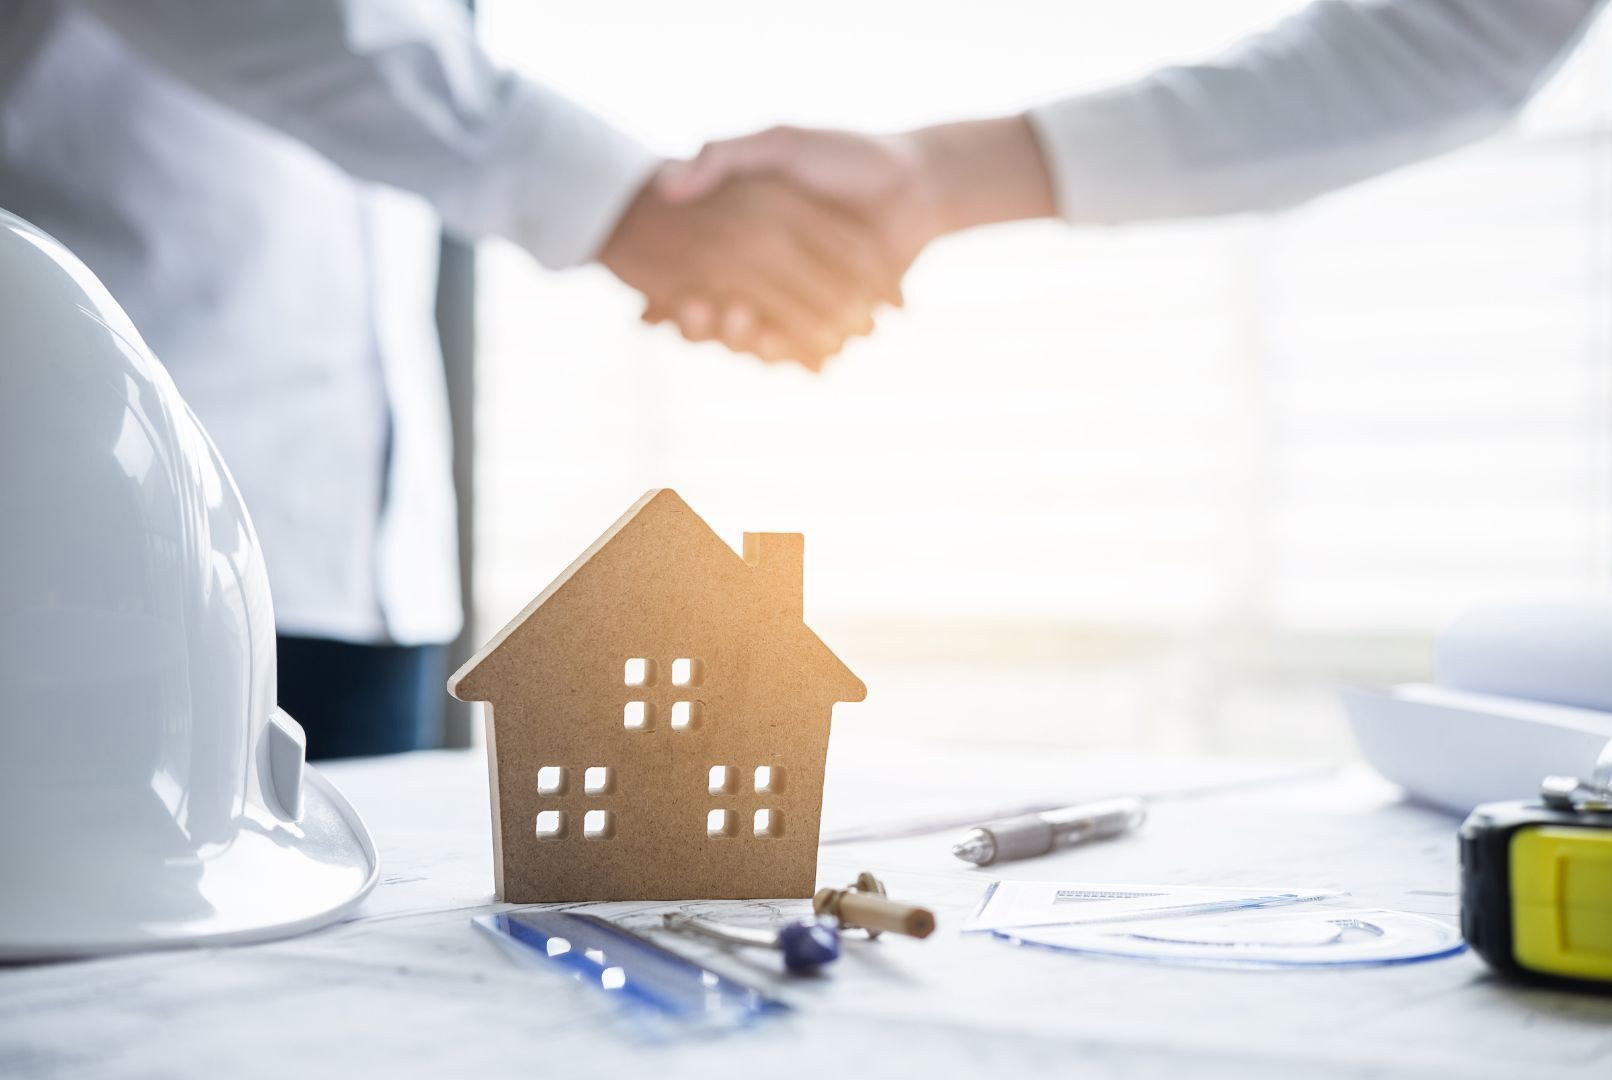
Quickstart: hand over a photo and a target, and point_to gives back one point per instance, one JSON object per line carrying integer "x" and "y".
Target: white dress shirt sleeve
{"x": 1338, "y": 92}
{"x": 400, "y": 92}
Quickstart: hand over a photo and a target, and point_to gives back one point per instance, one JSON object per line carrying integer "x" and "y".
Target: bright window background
{"x": 1157, "y": 487}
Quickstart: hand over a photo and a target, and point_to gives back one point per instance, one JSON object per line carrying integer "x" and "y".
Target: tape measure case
{"x": 1536, "y": 892}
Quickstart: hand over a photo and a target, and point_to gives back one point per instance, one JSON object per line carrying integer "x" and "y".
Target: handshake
{"x": 784, "y": 243}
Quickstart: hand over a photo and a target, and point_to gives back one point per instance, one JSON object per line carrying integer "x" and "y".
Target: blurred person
{"x": 1340, "y": 91}
{"x": 230, "y": 169}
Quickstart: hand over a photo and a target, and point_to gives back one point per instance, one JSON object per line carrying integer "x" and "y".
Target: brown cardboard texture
{"x": 658, "y": 720}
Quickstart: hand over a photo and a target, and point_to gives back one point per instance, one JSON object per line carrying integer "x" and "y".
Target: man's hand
{"x": 910, "y": 187}
{"x": 883, "y": 178}
{"x": 793, "y": 275}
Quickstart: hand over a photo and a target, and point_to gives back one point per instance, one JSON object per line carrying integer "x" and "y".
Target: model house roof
{"x": 660, "y": 544}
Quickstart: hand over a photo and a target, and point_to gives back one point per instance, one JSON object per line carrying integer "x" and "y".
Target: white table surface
{"x": 408, "y": 989}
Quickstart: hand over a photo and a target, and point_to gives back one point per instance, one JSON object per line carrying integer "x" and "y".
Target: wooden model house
{"x": 658, "y": 719}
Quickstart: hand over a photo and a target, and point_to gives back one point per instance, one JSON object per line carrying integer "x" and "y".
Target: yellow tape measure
{"x": 1536, "y": 882}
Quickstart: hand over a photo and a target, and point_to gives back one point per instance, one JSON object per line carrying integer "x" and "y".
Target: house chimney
{"x": 776, "y": 563}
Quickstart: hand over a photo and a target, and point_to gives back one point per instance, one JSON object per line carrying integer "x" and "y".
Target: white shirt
{"x": 220, "y": 165}
{"x": 1338, "y": 92}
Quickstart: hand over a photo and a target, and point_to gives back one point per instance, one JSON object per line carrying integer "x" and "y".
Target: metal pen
{"x": 1029, "y": 835}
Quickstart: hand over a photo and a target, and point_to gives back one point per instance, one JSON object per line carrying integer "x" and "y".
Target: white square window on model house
{"x": 658, "y": 720}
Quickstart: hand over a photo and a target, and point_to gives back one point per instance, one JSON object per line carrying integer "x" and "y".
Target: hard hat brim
{"x": 273, "y": 880}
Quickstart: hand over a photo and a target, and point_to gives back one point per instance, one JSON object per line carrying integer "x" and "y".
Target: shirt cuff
{"x": 1109, "y": 158}
{"x": 570, "y": 177}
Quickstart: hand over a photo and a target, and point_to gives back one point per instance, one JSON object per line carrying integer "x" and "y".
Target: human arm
{"x": 1340, "y": 91}
{"x": 402, "y": 93}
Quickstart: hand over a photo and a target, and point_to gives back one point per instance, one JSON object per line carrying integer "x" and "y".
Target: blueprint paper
{"x": 1552, "y": 651}
{"x": 409, "y": 990}
{"x": 1020, "y": 904}
{"x": 1453, "y": 750}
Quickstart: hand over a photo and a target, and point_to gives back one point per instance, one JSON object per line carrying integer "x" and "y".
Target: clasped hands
{"x": 782, "y": 244}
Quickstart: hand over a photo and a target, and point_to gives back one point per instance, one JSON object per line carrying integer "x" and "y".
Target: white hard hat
{"x": 151, "y": 792}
